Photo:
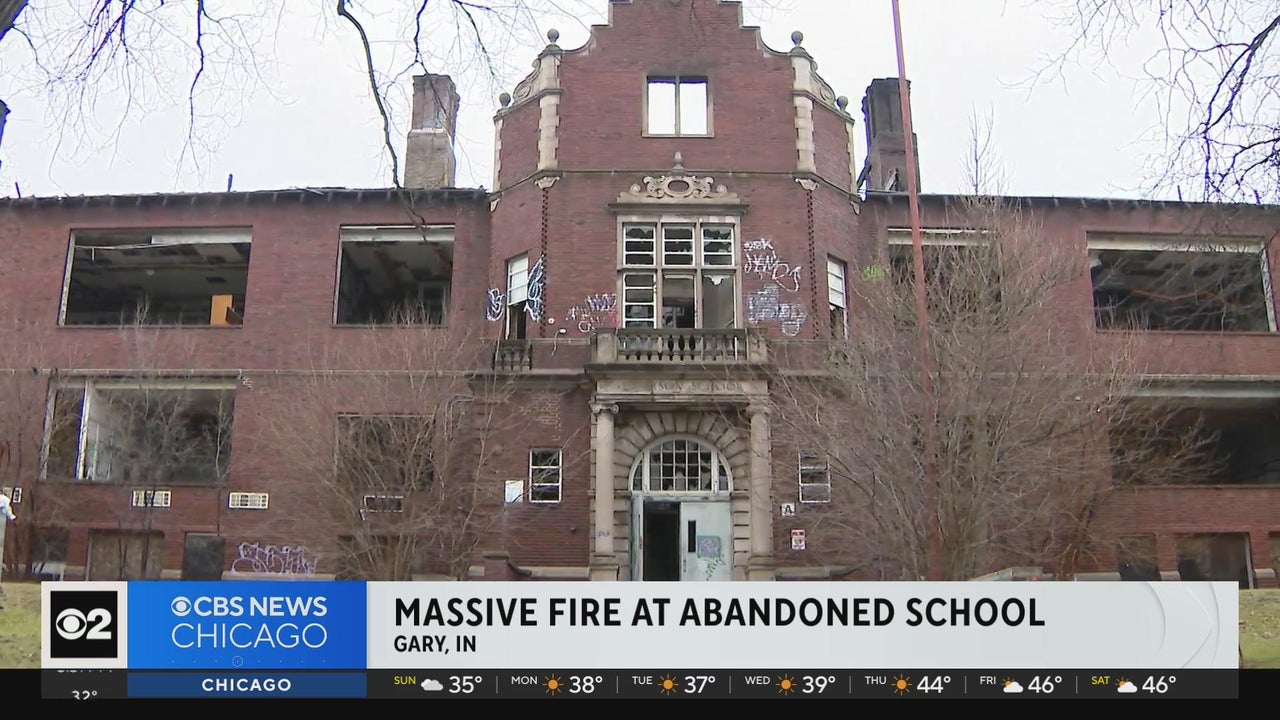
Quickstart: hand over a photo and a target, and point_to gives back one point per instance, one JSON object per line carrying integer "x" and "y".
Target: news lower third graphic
{"x": 425, "y": 640}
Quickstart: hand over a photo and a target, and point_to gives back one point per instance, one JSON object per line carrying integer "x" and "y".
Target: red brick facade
{"x": 573, "y": 147}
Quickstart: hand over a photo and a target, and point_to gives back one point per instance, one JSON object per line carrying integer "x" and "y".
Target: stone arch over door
{"x": 643, "y": 430}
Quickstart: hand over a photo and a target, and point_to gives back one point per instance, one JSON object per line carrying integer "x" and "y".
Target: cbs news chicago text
{"x": 429, "y": 640}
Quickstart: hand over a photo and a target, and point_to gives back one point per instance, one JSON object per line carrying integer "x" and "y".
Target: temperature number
{"x": 463, "y": 684}
{"x": 1158, "y": 685}
{"x": 84, "y": 694}
{"x": 584, "y": 684}
{"x": 1044, "y": 684}
{"x": 697, "y": 683}
{"x": 933, "y": 684}
{"x": 812, "y": 685}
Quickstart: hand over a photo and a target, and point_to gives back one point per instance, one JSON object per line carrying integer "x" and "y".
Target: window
{"x": 680, "y": 466}
{"x": 513, "y": 491}
{"x": 1180, "y": 285}
{"x": 962, "y": 271}
{"x": 384, "y": 454}
{"x": 545, "y": 476}
{"x": 144, "y": 433}
{"x": 1136, "y": 558}
{"x": 677, "y": 106}
{"x": 156, "y": 277}
{"x": 679, "y": 275}
{"x": 382, "y": 503}
{"x": 815, "y": 478}
{"x": 394, "y": 276}
{"x": 517, "y": 298}
{"x": 837, "y": 298}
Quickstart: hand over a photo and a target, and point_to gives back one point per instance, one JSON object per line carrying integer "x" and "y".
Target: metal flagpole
{"x": 922, "y": 313}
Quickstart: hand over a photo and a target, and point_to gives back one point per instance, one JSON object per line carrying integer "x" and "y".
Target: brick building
{"x": 669, "y": 209}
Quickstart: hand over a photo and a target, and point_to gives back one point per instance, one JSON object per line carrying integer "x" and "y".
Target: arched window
{"x": 680, "y": 465}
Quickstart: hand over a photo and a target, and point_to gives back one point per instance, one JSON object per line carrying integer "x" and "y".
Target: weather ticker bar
{"x": 657, "y": 684}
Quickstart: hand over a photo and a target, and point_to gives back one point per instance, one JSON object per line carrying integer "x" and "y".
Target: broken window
{"x": 679, "y": 275}
{"x": 1215, "y": 557}
{"x": 1230, "y": 441}
{"x": 169, "y": 277}
{"x": 962, "y": 273}
{"x": 1136, "y": 558}
{"x": 546, "y": 475}
{"x": 837, "y": 298}
{"x": 1180, "y": 286}
{"x": 378, "y": 454}
{"x": 394, "y": 276}
{"x": 143, "y": 433}
{"x": 677, "y": 106}
{"x": 815, "y": 478}
{"x": 681, "y": 465}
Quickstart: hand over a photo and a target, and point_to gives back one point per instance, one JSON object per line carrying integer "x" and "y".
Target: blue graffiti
{"x": 493, "y": 307}
{"x": 537, "y": 287}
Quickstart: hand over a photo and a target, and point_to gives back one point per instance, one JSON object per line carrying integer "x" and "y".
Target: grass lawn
{"x": 1260, "y": 628}
{"x": 20, "y": 627}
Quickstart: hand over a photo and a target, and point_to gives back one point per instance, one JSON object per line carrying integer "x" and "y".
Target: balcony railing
{"x": 513, "y": 356}
{"x": 679, "y": 347}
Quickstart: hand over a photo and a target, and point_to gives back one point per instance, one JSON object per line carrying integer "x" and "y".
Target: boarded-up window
{"x": 203, "y": 556}
{"x": 125, "y": 555}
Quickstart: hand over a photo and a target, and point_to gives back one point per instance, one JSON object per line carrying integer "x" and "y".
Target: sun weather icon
{"x": 786, "y": 685}
{"x": 553, "y": 685}
{"x": 901, "y": 685}
{"x": 667, "y": 684}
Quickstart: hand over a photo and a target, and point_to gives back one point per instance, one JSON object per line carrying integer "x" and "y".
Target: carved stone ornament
{"x": 678, "y": 187}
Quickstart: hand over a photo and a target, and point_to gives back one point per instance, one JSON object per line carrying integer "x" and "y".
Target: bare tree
{"x": 136, "y": 433}
{"x": 39, "y": 536}
{"x": 413, "y": 443}
{"x": 1036, "y": 425}
{"x": 209, "y": 56}
{"x": 1214, "y": 75}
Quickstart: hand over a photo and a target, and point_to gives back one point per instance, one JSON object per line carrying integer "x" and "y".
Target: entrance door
{"x": 706, "y": 529}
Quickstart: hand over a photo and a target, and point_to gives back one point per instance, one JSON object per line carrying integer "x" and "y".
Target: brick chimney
{"x": 886, "y": 168}
{"x": 429, "y": 159}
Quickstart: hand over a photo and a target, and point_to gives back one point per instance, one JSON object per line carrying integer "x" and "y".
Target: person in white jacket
{"x": 6, "y": 511}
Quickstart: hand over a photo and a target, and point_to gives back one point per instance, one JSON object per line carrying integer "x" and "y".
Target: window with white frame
{"x": 681, "y": 465}
{"x": 517, "y": 297}
{"x": 1180, "y": 284}
{"x": 546, "y": 475}
{"x": 837, "y": 298}
{"x": 513, "y": 491}
{"x": 677, "y": 106}
{"x": 680, "y": 274}
{"x": 815, "y": 478}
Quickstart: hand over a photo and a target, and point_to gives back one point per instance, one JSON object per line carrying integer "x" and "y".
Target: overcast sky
{"x": 309, "y": 119}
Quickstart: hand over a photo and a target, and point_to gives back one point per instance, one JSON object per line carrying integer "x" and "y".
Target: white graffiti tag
{"x": 493, "y": 305}
{"x": 766, "y": 305}
{"x": 761, "y": 259}
{"x": 274, "y": 559}
{"x": 593, "y": 312}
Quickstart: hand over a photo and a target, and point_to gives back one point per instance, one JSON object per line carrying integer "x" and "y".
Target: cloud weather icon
{"x": 1012, "y": 686}
{"x": 432, "y": 685}
{"x": 1126, "y": 687}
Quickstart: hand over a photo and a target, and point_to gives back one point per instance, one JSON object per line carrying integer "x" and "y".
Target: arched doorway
{"x": 681, "y": 517}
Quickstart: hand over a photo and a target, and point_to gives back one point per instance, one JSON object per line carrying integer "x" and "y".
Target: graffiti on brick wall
{"x": 252, "y": 557}
{"x": 766, "y": 305}
{"x": 593, "y": 312}
{"x": 537, "y": 290}
{"x": 495, "y": 301}
{"x": 760, "y": 259}
{"x": 493, "y": 305}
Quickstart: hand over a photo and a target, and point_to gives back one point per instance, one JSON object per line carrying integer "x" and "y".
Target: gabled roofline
{"x": 288, "y": 195}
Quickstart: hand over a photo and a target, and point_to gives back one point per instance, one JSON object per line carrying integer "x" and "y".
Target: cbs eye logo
{"x": 83, "y": 624}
